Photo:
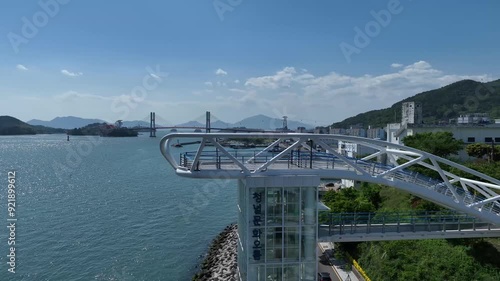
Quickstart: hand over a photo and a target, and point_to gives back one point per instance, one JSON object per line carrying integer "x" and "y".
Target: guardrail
{"x": 396, "y": 222}
{"x": 322, "y": 160}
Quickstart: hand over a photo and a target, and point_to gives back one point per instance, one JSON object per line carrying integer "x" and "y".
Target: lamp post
{"x": 310, "y": 153}
{"x": 492, "y": 156}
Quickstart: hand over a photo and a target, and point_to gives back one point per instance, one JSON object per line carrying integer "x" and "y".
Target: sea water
{"x": 96, "y": 208}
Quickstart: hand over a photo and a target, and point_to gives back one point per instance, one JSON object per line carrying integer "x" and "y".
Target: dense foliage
{"x": 465, "y": 259}
{"x": 438, "y": 105}
{"x": 122, "y": 132}
{"x": 482, "y": 150}
{"x": 438, "y": 259}
{"x": 102, "y": 129}
{"x": 89, "y": 130}
{"x": 441, "y": 144}
{"x": 416, "y": 260}
{"x": 350, "y": 200}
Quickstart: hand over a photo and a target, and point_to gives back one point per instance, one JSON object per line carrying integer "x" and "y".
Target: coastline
{"x": 221, "y": 262}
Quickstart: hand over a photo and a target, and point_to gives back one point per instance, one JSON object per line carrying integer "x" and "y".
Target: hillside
{"x": 13, "y": 126}
{"x": 268, "y": 123}
{"x": 466, "y": 96}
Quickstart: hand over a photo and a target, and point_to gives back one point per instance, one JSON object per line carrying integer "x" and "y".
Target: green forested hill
{"x": 466, "y": 96}
{"x": 13, "y": 126}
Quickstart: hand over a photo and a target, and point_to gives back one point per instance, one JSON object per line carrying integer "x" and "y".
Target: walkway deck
{"x": 356, "y": 227}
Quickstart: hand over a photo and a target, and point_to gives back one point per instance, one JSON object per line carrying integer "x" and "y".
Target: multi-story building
{"x": 375, "y": 133}
{"x": 474, "y": 118}
{"x": 337, "y": 131}
{"x": 357, "y": 132}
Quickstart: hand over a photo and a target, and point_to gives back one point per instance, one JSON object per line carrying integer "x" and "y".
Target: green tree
{"x": 480, "y": 150}
{"x": 438, "y": 143}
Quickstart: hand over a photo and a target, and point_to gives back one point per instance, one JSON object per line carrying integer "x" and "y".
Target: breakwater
{"x": 221, "y": 262}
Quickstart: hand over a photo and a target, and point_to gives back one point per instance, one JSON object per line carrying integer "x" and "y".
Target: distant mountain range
{"x": 68, "y": 122}
{"x": 255, "y": 122}
{"x": 268, "y": 123}
{"x": 462, "y": 97}
{"x": 72, "y": 122}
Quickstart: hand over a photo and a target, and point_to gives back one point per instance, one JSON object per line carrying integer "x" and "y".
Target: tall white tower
{"x": 411, "y": 113}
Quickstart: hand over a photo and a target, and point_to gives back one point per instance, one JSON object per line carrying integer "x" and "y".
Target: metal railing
{"x": 398, "y": 222}
{"x": 299, "y": 159}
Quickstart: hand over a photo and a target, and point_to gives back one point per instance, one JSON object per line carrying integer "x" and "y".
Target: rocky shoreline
{"x": 221, "y": 262}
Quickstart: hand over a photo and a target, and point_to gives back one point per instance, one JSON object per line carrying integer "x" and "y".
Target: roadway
{"x": 334, "y": 268}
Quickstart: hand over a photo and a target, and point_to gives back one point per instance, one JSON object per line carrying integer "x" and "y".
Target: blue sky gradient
{"x": 275, "y": 57}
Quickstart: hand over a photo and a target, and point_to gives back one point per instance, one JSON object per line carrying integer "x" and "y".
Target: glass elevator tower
{"x": 277, "y": 228}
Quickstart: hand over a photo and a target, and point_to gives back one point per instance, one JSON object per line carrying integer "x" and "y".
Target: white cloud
{"x": 330, "y": 96}
{"x": 282, "y": 78}
{"x": 21, "y": 67}
{"x": 220, "y": 72}
{"x": 335, "y": 96}
{"x": 236, "y": 81}
{"x": 155, "y": 76}
{"x": 234, "y": 90}
{"x": 74, "y": 95}
{"x": 71, "y": 74}
{"x": 396, "y": 65}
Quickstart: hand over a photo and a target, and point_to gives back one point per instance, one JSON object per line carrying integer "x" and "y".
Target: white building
{"x": 468, "y": 134}
{"x": 352, "y": 150}
{"x": 470, "y": 128}
{"x": 474, "y": 118}
{"x": 375, "y": 133}
{"x": 337, "y": 131}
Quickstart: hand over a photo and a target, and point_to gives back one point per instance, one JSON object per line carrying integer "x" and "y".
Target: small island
{"x": 104, "y": 130}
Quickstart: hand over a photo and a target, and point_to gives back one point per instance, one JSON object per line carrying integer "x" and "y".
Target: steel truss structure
{"x": 453, "y": 186}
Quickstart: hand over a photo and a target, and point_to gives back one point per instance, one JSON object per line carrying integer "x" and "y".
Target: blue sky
{"x": 237, "y": 58}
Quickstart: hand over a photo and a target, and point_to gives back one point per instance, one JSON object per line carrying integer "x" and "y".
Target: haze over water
{"x": 115, "y": 214}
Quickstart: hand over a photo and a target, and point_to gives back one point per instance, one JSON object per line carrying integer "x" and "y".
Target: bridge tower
{"x": 285, "y": 123}
{"x": 152, "y": 125}
{"x": 207, "y": 122}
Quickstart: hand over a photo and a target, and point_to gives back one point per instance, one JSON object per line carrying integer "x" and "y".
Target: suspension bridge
{"x": 207, "y": 118}
{"x": 278, "y": 194}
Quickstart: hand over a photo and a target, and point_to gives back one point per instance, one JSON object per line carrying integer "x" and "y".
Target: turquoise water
{"x": 106, "y": 209}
